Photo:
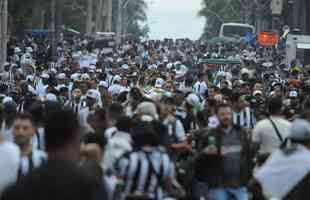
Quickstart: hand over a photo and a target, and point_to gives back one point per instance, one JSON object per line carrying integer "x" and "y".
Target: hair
{"x": 61, "y": 127}
{"x": 116, "y": 111}
{"x": 25, "y": 116}
{"x": 124, "y": 124}
{"x": 37, "y": 112}
{"x": 275, "y": 105}
{"x": 56, "y": 180}
{"x": 145, "y": 133}
{"x": 222, "y": 105}
{"x": 95, "y": 139}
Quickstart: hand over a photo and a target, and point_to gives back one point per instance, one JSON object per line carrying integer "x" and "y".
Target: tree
{"x": 218, "y": 12}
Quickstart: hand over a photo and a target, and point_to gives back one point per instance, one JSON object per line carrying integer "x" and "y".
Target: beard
{"x": 22, "y": 141}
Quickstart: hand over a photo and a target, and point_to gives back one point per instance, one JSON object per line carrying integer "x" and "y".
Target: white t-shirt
{"x": 200, "y": 87}
{"x": 265, "y": 134}
{"x": 116, "y": 89}
{"x": 9, "y": 164}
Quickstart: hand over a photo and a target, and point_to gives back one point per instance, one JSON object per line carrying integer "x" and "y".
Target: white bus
{"x": 236, "y": 30}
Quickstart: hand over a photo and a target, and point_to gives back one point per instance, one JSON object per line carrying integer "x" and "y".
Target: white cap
{"x": 7, "y": 100}
{"x": 245, "y": 71}
{"x": 61, "y": 76}
{"x": 29, "y": 78}
{"x": 85, "y": 77}
{"x": 159, "y": 83}
{"x": 17, "y": 50}
{"x": 29, "y": 49}
{"x": 75, "y": 77}
{"x": 193, "y": 100}
{"x": 91, "y": 94}
{"x": 51, "y": 97}
{"x": 117, "y": 78}
{"x": 125, "y": 66}
{"x": 45, "y": 75}
{"x": 147, "y": 108}
{"x": 103, "y": 84}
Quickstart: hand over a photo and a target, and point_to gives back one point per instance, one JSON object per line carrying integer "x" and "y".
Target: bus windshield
{"x": 236, "y": 31}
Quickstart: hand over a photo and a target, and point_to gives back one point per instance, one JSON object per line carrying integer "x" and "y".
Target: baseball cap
{"x": 85, "y": 77}
{"x": 300, "y": 130}
{"x": 103, "y": 84}
{"x": 159, "y": 83}
{"x": 147, "y": 108}
{"x": 44, "y": 75}
{"x": 61, "y": 76}
{"x": 91, "y": 94}
{"x": 193, "y": 100}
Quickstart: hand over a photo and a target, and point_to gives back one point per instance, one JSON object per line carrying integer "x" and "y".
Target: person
{"x": 242, "y": 114}
{"x": 55, "y": 181}
{"x": 115, "y": 112}
{"x": 268, "y": 134}
{"x": 176, "y": 132}
{"x": 118, "y": 144}
{"x": 146, "y": 171}
{"x": 223, "y": 161}
{"x": 200, "y": 87}
{"x": 62, "y": 140}
{"x": 288, "y": 167}
{"x": 24, "y": 131}
{"x": 9, "y": 163}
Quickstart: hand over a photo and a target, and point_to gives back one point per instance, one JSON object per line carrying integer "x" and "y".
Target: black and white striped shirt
{"x": 245, "y": 118}
{"x": 144, "y": 171}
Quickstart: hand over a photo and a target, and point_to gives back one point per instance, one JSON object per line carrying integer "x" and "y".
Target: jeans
{"x": 223, "y": 193}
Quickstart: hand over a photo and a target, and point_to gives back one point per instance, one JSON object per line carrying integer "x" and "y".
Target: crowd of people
{"x": 153, "y": 121}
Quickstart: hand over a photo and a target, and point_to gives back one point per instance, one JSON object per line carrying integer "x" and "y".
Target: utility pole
{"x": 3, "y": 32}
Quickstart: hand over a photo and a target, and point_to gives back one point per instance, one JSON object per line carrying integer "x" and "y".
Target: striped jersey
{"x": 144, "y": 172}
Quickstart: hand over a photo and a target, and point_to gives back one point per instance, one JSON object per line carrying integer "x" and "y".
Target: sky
{"x": 175, "y": 19}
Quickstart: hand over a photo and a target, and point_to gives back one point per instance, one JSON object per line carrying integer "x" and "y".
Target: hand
{"x": 210, "y": 150}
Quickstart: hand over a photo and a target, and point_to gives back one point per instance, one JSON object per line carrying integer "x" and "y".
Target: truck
{"x": 297, "y": 48}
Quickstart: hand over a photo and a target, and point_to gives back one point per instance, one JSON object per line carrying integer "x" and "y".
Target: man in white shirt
{"x": 9, "y": 163}
{"x": 200, "y": 87}
{"x": 116, "y": 88}
{"x": 268, "y": 134}
{"x": 24, "y": 131}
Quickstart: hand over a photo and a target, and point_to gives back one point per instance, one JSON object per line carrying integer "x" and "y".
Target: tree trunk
{"x": 119, "y": 21}
{"x": 89, "y": 17}
{"x": 99, "y": 12}
{"x": 3, "y": 32}
{"x": 108, "y": 18}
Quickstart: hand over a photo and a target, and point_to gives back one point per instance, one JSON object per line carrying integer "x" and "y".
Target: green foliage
{"x": 23, "y": 15}
{"x": 218, "y": 12}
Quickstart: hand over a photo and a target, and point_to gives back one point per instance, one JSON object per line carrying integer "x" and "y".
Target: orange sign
{"x": 268, "y": 38}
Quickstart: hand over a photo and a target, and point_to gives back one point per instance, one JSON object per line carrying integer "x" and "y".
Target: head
{"x": 144, "y": 133}
{"x": 115, "y": 112}
{"x": 62, "y": 135}
{"x": 23, "y": 130}
{"x": 275, "y": 105}
{"x": 92, "y": 148}
{"x": 73, "y": 182}
{"x": 224, "y": 114}
{"x": 77, "y": 93}
{"x": 168, "y": 106}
